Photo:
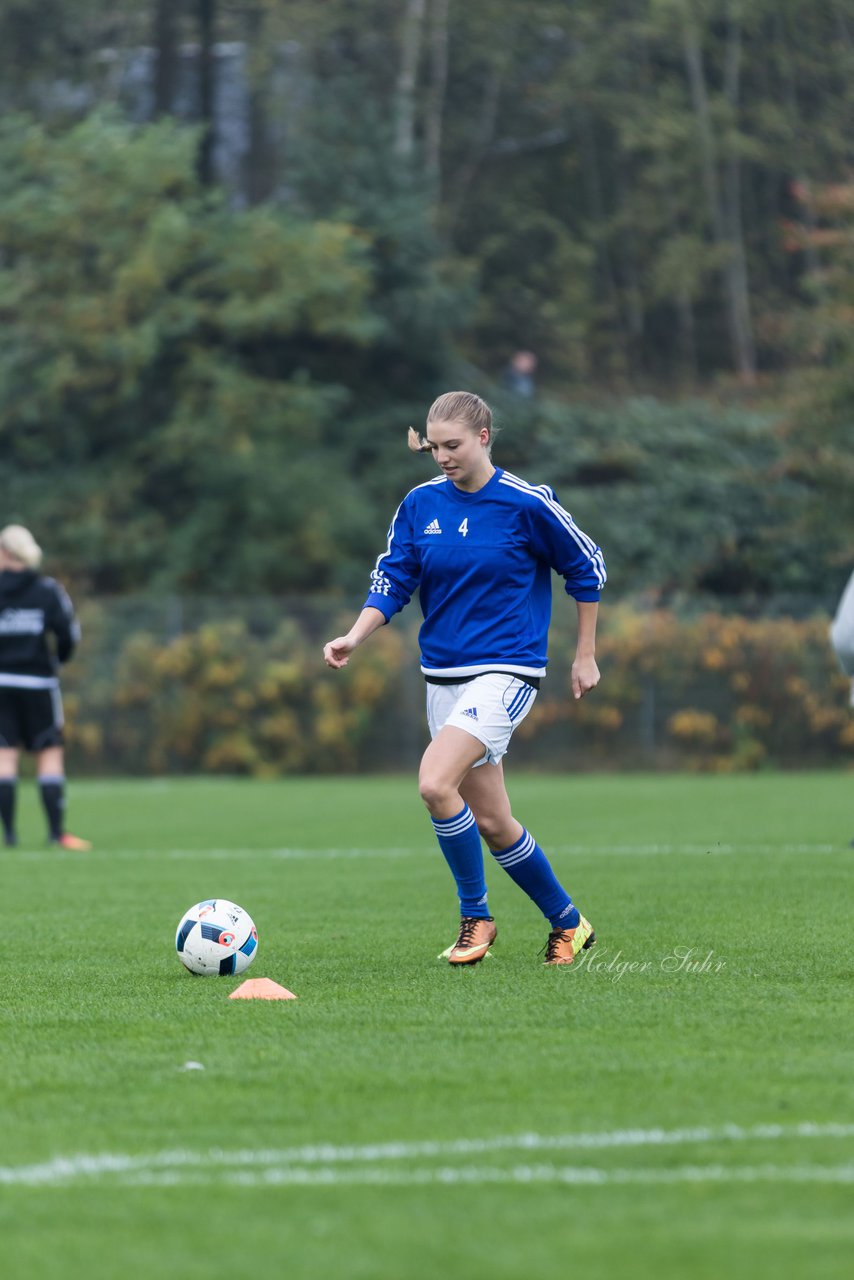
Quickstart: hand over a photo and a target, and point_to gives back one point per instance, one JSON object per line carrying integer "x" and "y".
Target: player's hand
{"x": 585, "y": 676}
{"x": 336, "y": 654}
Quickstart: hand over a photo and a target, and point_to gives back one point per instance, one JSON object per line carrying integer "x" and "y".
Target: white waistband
{"x": 10, "y": 681}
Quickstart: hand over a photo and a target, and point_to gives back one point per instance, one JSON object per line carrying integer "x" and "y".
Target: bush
{"x": 717, "y": 692}
{"x": 174, "y": 688}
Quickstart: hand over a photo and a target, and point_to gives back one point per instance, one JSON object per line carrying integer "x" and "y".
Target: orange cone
{"x": 261, "y": 989}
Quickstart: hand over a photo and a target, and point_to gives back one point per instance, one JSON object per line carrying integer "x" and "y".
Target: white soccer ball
{"x": 216, "y": 937}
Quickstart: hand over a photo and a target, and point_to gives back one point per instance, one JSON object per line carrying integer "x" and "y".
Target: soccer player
{"x": 842, "y": 633}
{"x": 32, "y": 609}
{"x": 481, "y": 545}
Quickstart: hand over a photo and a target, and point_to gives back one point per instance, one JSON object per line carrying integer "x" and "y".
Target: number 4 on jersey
{"x": 464, "y": 527}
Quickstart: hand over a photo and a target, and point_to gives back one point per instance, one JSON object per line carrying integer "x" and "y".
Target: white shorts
{"x": 488, "y": 707}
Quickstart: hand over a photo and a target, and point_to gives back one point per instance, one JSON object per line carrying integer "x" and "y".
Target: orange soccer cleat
{"x": 68, "y": 841}
{"x": 476, "y": 936}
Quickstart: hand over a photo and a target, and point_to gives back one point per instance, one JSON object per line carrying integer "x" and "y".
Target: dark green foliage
{"x": 609, "y": 178}
{"x": 819, "y": 422}
{"x": 195, "y": 396}
{"x": 682, "y": 498}
{"x": 168, "y": 401}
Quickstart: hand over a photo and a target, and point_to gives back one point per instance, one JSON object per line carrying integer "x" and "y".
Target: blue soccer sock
{"x": 459, "y": 840}
{"x": 527, "y": 865}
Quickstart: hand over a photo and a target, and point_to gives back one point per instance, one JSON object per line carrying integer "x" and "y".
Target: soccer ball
{"x": 216, "y": 937}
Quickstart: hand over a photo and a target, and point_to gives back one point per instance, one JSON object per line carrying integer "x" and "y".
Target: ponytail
{"x": 415, "y": 442}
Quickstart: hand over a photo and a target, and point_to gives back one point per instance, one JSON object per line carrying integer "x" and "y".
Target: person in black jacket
{"x": 38, "y": 631}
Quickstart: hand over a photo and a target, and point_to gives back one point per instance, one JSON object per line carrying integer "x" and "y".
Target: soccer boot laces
{"x": 476, "y": 936}
{"x": 563, "y": 945}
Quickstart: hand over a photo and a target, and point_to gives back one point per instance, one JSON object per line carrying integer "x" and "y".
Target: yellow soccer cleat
{"x": 564, "y": 944}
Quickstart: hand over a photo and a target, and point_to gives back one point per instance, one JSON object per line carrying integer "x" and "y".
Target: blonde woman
{"x": 38, "y": 631}
{"x": 480, "y": 544}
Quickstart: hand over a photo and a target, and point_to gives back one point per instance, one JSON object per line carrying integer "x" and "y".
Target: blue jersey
{"x": 483, "y": 562}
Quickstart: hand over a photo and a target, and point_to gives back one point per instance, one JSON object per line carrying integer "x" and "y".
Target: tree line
{"x": 206, "y": 380}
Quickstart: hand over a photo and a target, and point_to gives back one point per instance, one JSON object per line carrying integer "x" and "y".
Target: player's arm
{"x": 336, "y": 653}
{"x": 394, "y": 578}
{"x": 576, "y": 557}
{"x": 585, "y": 673}
{"x": 61, "y": 621}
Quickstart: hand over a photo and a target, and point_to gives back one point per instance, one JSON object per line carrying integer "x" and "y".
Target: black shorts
{"x": 30, "y": 718}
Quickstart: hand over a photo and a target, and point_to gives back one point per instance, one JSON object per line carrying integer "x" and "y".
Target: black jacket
{"x": 32, "y": 608}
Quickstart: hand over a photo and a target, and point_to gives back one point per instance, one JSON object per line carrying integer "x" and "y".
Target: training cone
{"x": 261, "y": 989}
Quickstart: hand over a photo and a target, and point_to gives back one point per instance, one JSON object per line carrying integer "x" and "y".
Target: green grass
{"x": 386, "y": 1045}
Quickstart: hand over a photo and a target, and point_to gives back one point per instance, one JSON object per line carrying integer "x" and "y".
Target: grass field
{"x": 682, "y": 1105}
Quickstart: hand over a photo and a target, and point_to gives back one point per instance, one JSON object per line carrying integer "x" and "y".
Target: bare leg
{"x": 50, "y": 763}
{"x": 9, "y": 762}
{"x": 446, "y": 762}
{"x": 485, "y": 793}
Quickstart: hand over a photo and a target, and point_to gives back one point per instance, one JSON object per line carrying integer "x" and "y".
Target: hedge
{"x": 154, "y": 693}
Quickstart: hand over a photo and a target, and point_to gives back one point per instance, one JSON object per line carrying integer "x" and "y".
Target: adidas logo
{"x": 433, "y": 527}
{"x": 471, "y": 711}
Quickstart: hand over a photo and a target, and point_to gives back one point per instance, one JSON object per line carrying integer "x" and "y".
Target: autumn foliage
{"x": 707, "y": 691}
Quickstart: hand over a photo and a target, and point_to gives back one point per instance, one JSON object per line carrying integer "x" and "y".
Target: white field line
{"x": 425, "y": 850}
{"x": 468, "y": 1175}
{"x": 63, "y": 1169}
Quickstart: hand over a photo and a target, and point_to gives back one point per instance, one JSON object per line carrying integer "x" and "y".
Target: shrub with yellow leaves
{"x": 702, "y": 691}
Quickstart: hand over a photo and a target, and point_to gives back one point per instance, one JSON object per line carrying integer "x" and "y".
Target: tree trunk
{"x": 798, "y": 132}
{"x": 259, "y": 164}
{"x": 592, "y": 182}
{"x": 686, "y": 332}
{"x": 436, "y": 99}
{"x": 842, "y": 27}
{"x": 206, "y": 12}
{"x": 484, "y": 133}
{"x": 738, "y": 282}
{"x": 733, "y": 271}
{"x": 673, "y": 226}
{"x": 410, "y": 55}
{"x": 165, "y": 35}
{"x": 627, "y": 254}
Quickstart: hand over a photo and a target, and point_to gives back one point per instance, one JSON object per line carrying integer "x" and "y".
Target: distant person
{"x": 481, "y": 545}
{"x": 38, "y": 631}
{"x": 519, "y": 374}
{"x": 842, "y": 633}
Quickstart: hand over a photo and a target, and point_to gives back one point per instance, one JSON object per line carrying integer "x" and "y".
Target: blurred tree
{"x": 165, "y": 42}
{"x": 354, "y": 158}
{"x": 168, "y": 389}
{"x": 655, "y": 141}
{"x": 261, "y": 166}
{"x": 206, "y": 11}
{"x": 684, "y": 499}
{"x": 602, "y": 182}
{"x": 613, "y": 119}
{"x": 410, "y": 54}
{"x": 819, "y": 427}
{"x": 48, "y": 48}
